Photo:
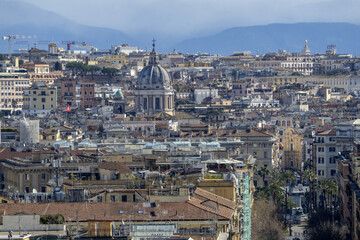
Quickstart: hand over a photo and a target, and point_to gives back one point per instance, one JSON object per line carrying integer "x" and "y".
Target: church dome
{"x": 153, "y": 76}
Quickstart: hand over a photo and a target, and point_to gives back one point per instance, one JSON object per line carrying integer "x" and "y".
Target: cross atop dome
{"x": 152, "y": 60}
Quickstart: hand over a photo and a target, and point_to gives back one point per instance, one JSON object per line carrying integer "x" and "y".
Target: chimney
{"x": 17, "y": 62}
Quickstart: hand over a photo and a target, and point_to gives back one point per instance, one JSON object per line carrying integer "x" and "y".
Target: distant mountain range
{"x": 271, "y": 38}
{"x": 19, "y": 18}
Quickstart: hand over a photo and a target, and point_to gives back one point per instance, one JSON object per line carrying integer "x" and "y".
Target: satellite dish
{"x": 34, "y": 190}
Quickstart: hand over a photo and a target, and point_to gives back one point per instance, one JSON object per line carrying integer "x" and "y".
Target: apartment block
{"x": 40, "y": 98}
{"x": 77, "y": 93}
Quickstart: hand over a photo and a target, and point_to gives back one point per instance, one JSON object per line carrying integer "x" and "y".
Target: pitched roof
{"x": 115, "y": 166}
{"x": 216, "y": 209}
{"x": 115, "y": 211}
{"x": 331, "y": 132}
{"x": 6, "y": 153}
{"x": 201, "y": 194}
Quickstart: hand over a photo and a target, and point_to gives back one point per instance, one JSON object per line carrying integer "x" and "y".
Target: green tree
{"x": 321, "y": 228}
{"x": 328, "y": 189}
{"x": 310, "y": 177}
{"x": 111, "y": 72}
{"x": 58, "y": 66}
{"x": 77, "y": 68}
{"x": 101, "y": 131}
{"x": 287, "y": 177}
{"x": 93, "y": 69}
{"x": 52, "y": 219}
{"x": 263, "y": 172}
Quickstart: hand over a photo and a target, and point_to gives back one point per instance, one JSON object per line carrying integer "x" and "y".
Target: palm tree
{"x": 263, "y": 172}
{"x": 332, "y": 189}
{"x": 326, "y": 186}
{"x": 310, "y": 177}
{"x": 321, "y": 186}
{"x": 287, "y": 177}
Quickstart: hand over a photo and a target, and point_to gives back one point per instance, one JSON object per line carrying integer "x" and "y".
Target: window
{"x": 331, "y": 160}
{"x": 320, "y": 160}
{"x": 113, "y": 198}
{"x": 157, "y": 103}
{"x": 332, "y": 149}
{"x": 124, "y": 198}
{"x": 27, "y": 177}
{"x": 320, "y": 172}
{"x": 99, "y": 198}
{"x": 34, "y": 99}
{"x": 43, "y": 176}
{"x": 265, "y": 154}
{"x": 145, "y": 103}
{"x": 332, "y": 172}
{"x": 27, "y": 189}
{"x": 320, "y": 149}
{"x": 43, "y": 99}
{"x": 43, "y": 189}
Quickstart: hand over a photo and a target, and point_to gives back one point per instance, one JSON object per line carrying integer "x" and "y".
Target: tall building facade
{"x": 77, "y": 93}
{"x": 325, "y": 153}
{"x": 154, "y": 91}
{"x": 13, "y": 80}
{"x": 40, "y": 99}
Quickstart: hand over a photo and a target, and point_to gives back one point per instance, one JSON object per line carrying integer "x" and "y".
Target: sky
{"x": 187, "y": 18}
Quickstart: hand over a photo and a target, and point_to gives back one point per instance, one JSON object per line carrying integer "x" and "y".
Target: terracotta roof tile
{"x": 128, "y": 211}
{"x": 213, "y": 197}
{"x": 115, "y": 166}
{"x": 331, "y": 132}
{"x": 6, "y": 153}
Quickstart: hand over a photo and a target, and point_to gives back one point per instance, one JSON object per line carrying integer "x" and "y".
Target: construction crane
{"x": 69, "y": 43}
{"x": 9, "y": 37}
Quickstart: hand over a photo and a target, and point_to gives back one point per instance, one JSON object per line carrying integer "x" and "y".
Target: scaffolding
{"x": 245, "y": 202}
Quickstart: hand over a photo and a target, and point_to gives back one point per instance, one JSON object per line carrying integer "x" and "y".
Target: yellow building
{"x": 225, "y": 189}
{"x": 111, "y": 60}
{"x": 283, "y": 80}
{"x": 292, "y": 149}
{"x": 50, "y": 134}
{"x": 39, "y": 99}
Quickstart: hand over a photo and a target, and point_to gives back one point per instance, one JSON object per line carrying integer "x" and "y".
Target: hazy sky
{"x": 198, "y": 17}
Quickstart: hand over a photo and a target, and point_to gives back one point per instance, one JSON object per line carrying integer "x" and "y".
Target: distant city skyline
{"x": 185, "y": 18}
